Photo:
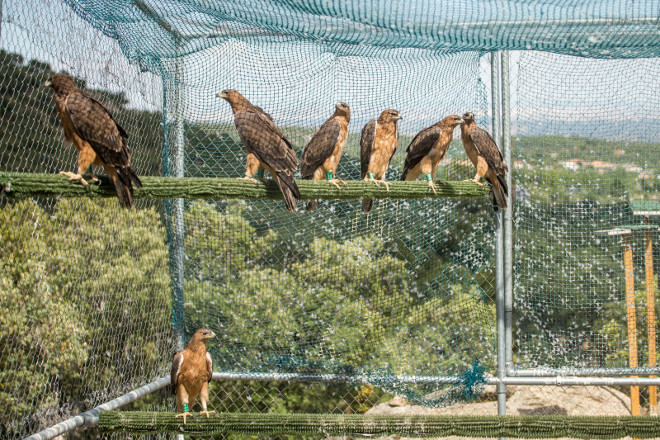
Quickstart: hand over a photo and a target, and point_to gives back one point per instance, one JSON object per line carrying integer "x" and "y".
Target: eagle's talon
{"x": 432, "y": 186}
{"x": 207, "y": 413}
{"x": 251, "y": 179}
{"x": 183, "y": 414}
{"x": 336, "y": 182}
{"x": 73, "y": 177}
{"x": 474, "y": 181}
{"x": 387, "y": 185}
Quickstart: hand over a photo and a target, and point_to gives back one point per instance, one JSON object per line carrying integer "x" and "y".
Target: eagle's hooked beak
{"x": 48, "y": 83}
{"x": 212, "y": 335}
{"x": 398, "y": 118}
{"x": 461, "y": 121}
{"x": 222, "y": 95}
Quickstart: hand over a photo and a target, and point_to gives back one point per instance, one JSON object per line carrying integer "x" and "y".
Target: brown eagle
{"x": 192, "y": 370}
{"x": 263, "y": 139}
{"x": 321, "y": 155}
{"x": 486, "y": 158}
{"x": 99, "y": 139}
{"x": 378, "y": 144}
{"x": 428, "y": 148}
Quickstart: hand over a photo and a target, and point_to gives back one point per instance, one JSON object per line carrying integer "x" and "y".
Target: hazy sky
{"x": 298, "y": 82}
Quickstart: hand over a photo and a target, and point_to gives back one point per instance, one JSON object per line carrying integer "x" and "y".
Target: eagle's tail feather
{"x": 499, "y": 194}
{"x": 289, "y": 190}
{"x": 367, "y": 204}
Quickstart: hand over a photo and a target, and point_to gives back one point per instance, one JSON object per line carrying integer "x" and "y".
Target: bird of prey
{"x": 192, "y": 370}
{"x": 263, "y": 139}
{"x": 321, "y": 155}
{"x": 99, "y": 139}
{"x": 486, "y": 158}
{"x": 428, "y": 148}
{"x": 378, "y": 143}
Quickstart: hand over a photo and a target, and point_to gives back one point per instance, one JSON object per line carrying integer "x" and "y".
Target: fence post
{"x": 631, "y": 317}
{"x": 650, "y": 316}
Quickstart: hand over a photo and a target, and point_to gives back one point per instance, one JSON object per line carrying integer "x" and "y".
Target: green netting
{"x": 403, "y": 296}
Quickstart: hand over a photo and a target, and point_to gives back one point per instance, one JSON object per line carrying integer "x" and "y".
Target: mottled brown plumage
{"x": 486, "y": 158}
{"x": 428, "y": 148}
{"x": 322, "y": 153}
{"x": 263, "y": 139}
{"x": 378, "y": 143}
{"x": 99, "y": 139}
{"x": 192, "y": 370}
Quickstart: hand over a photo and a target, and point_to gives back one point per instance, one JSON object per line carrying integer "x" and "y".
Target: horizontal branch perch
{"x": 27, "y": 185}
{"x": 383, "y": 425}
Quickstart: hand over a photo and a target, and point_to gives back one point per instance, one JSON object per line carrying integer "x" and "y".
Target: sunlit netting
{"x": 399, "y": 302}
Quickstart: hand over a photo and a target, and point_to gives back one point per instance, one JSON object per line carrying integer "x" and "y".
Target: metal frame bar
{"x": 499, "y": 243}
{"x": 508, "y": 213}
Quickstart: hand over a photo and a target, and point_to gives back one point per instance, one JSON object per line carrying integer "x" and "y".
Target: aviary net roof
{"x": 151, "y": 30}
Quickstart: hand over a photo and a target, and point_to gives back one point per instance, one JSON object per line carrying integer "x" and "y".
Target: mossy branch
{"x": 27, "y": 185}
{"x": 383, "y": 425}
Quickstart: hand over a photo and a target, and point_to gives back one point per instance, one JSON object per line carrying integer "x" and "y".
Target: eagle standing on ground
{"x": 428, "y": 148}
{"x": 192, "y": 370}
{"x": 486, "y": 158}
{"x": 321, "y": 155}
{"x": 378, "y": 144}
{"x": 99, "y": 139}
{"x": 263, "y": 139}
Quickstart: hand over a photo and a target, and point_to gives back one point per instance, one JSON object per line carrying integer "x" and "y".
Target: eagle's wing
{"x": 420, "y": 146}
{"x": 487, "y": 148}
{"x": 263, "y": 138}
{"x": 176, "y": 369}
{"x": 320, "y": 147}
{"x": 366, "y": 144}
{"x": 95, "y": 124}
{"x": 209, "y": 365}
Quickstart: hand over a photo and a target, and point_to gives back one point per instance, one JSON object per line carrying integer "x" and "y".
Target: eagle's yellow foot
{"x": 387, "y": 185}
{"x": 432, "y": 186}
{"x": 73, "y": 177}
{"x": 474, "y": 181}
{"x": 336, "y": 183}
{"x": 249, "y": 178}
{"x": 183, "y": 414}
{"x": 93, "y": 178}
{"x": 207, "y": 413}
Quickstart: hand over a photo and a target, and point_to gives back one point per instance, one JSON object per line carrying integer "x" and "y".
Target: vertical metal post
{"x": 1, "y": 4}
{"x": 631, "y": 318}
{"x": 499, "y": 245}
{"x": 178, "y": 209}
{"x": 508, "y": 214}
{"x": 650, "y": 316}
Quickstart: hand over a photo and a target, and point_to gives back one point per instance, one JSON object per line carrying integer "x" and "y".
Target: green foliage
{"x": 85, "y": 297}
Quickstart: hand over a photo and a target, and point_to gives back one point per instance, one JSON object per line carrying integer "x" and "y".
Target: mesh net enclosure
{"x": 333, "y": 310}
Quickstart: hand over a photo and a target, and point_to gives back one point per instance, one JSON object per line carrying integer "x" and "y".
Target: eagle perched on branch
{"x": 378, "y": 144}
{"x": 192, "y": 370}
{"x": 263, "y": 139}
{"x": 321, "y": 155}
{"x": 486, "y": 158}
{"x": 428, "y": 148}
{"x": 99, "y": 139}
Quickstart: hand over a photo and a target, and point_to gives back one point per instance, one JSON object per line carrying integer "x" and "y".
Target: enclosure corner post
{"x": 508, "y": 214}
{"x": 499, "y": 245}
{"x": 650, "y": 315}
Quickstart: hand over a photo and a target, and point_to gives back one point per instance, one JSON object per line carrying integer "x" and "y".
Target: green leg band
{"x": 328, "y": 175}
{"x": 260, "y": 174}
{"x": 428, "y": 177}
{"x": 371, "y": 175}
{"x": 185, "y": 407}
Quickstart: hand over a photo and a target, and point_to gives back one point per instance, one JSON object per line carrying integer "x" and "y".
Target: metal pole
{"x": 499, "y": 246}
{"x": 1, "y": 4}
{"x": 508, "y": 214}
{"x": 178, "y": 208}
{"x": 631, "y": 318}
{"x": 650, "y": 317}
{"x": 91, "y": 418}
